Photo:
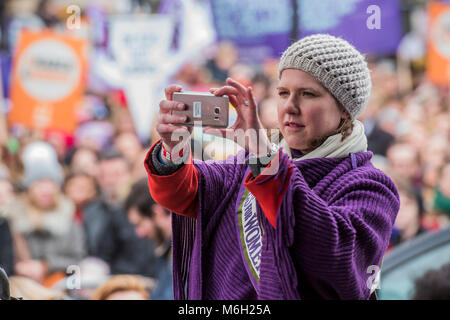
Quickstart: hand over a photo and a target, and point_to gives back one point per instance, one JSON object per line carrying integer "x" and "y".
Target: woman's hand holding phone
{"x": 169, "y": 126}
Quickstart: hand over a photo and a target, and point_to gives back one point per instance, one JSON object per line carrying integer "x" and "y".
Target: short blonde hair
{"x": 124, "y": 282}
{"x": 28, "y": 289}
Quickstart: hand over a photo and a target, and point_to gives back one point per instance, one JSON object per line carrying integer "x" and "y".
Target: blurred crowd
{"x": 76, "y": 218}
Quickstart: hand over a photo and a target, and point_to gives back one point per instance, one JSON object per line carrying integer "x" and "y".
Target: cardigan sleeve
{"x": 177, "y": 188}
{"x": 332, "y": 243}
{"x": 268, "y": 190}
{"x": 176, "y": 191}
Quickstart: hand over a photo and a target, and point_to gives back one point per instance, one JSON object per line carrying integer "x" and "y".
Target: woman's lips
{"x": 289, "y": 125}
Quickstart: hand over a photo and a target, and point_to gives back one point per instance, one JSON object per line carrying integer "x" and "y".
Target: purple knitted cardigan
{"x": 334, "y": 222}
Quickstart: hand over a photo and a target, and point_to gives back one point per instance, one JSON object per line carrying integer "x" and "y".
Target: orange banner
{"x": 47, "y": 80}
{"x": 438, "y": 57}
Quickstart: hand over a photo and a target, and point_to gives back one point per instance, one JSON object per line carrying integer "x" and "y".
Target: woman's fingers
{"x": 167, "y": 118}
{"x": 167, "y": 106}
{"x": 239, "y": 87}
{"x": 168, "y": 128}
{"x": 226, "y": 90}
{"x": 250, "y": 98}
{"x": 169, "y": 90}
{"x": 235, "y": 97}
{"x": 245, "y": 94}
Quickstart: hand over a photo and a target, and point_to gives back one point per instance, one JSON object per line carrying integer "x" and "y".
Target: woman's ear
{"x": 344, "y": 114}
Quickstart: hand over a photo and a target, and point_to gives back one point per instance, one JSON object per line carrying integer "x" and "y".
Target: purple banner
{"x": 262, "y": 28}
{"x": 373, "y": 27}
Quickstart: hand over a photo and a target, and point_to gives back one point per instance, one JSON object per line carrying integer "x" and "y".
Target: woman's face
{"x": 81, "y": 189}
{"x": 43, "y": 194}
{"x": 306, "y": 110}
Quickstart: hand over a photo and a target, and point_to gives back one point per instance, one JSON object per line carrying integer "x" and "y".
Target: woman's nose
{"x": 292, "y": 106}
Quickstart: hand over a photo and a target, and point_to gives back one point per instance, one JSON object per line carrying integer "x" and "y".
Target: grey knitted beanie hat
{"x": 336, "y": 64}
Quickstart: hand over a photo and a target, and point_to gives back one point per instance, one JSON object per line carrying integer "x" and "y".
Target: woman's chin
{"x": 294, "y": 143}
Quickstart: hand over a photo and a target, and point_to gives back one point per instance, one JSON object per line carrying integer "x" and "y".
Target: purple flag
{"x": 262, "y": 28}
{"x": 373, "y": 27}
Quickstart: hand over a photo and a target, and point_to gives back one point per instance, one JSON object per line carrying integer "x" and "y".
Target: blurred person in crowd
{"x": 114, "y": 177}
{"x": 389, "y": 119}
{"x": 300, "y": 220}
{"x": 433, "y": 285}
{"x": 84, "y": 280}
{"x": 6, "y": 247}
{"x": 96, "y": 135}
{"x": 225, "y": 58}
{"x": 378, "y": 140}
{"x": 85, "y": 160}
{"x": 261, "y": 86}
{"x": 28, "y": 289}
{"x": 122, "y": 119}
{"x": 441, "y": 203}
{"x": 7, "y": 192}
{"x": 433, "y": 154}
{"x": 60, "y": 141}
{"x": 152, "y": 221}
{"x": 242, "y": 73}
{"x": 138, "y": 171}
{"x": 109, "y": 234}
{"x": 193, "y": 77}
{"x": 45, "y": 237}
{"x": 404, "y": 162}
{"x": 81, "y": 188}
{"x": 128, "y": 144}
{"x": 122, "y": 287}
{"x": 408, "y": 223}
{"x": 48, "y": 12}
{"x": 385, "y": 76}
{"x": 268, "y": 114}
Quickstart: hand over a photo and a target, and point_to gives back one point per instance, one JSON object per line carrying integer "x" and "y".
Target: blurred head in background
{"x": 122, "y": 287}
{"x": 441, "y": 201}
{"x": 403, "y": 161}
{"x": 128, "y": 144}
{"x": 114, "y": 176}
{"x": 85, "y": 160}
{"x": 408, "y": 222}
{"x": 43, "y": 175}
{"x": 81, "y": 188}
{"x": 149, "y": 219}
{"x": 7, "y": 193}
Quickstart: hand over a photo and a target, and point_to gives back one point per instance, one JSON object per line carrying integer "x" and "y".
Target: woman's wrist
{"x": 257, "y": 164}
{"x": 172, "y": 155}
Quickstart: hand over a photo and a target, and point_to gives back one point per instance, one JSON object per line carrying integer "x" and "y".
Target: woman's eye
{"x": 308, "y": 94}
{"x": 283, "y": 93}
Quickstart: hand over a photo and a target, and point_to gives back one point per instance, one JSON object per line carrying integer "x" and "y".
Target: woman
{"x": 46, "y": 240}
{"x": 313, "y": 222}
